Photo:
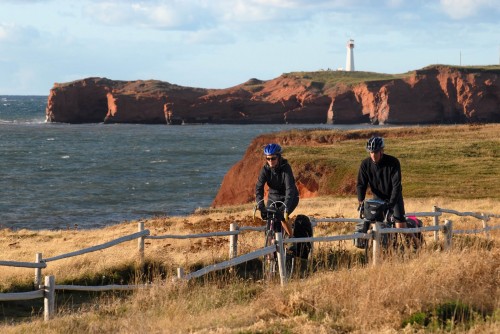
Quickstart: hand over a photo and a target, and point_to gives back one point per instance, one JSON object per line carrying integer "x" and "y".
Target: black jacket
{"x": 383, "y": 178}
{"x": 281, "y": 184}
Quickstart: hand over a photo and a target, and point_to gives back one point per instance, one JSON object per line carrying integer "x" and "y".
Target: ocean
{"x": 61, "y": 176}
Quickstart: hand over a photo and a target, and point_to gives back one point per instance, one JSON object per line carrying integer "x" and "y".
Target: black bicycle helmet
{"x": 272, "y": 149}
{"x": 375, "y": 144}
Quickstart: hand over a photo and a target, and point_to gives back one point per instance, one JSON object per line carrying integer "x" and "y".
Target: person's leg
{"x": 399, "y": 213}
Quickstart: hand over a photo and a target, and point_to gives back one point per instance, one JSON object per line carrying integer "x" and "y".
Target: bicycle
{"x": 273, "y": 225}
{"x": 376, "y": 211}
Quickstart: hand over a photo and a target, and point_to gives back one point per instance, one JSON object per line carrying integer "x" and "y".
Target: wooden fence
{"x": 47, "y": 290}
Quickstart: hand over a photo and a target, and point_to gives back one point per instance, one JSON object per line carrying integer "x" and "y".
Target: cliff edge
{"x": 437, "y": 94}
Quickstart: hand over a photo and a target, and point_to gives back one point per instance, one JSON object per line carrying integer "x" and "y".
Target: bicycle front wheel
{"x": 269, "y": 263}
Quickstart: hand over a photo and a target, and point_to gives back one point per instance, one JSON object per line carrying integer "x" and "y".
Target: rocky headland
{"x": 436, "y": 94}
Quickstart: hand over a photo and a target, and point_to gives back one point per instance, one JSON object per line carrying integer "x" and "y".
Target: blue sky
{"x": 222, "y": 43}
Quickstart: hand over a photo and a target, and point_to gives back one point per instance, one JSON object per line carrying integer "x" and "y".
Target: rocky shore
{"x": 434, "y": 95}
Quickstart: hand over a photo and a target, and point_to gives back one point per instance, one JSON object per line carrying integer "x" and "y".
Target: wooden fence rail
{"x": 477, "y": 231}
{"x": 99, "y": 247}
{"x": 11, "y": 296}
{"x": 230, "y": 263}
{"x": 23, "y": 264}
{"x": 193, "y": 236}
{"x": 102, "y": 288}
{"x": 463, "y": 214}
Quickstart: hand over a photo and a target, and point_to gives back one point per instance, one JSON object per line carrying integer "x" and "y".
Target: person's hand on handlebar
{"x": 263, "y": 213}
{"x": 286, "y": 224}
{"x": 360, "y": 209}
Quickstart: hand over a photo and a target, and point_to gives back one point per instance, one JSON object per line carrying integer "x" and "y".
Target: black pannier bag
{"x": 302, "y": 229}
{"x": 361, "y": 228}
{"x": 374, "y": 209}
{"x": 414, "y": 222}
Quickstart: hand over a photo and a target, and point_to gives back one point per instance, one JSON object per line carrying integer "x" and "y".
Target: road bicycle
{"x": 297, "y": 254}
{"x": 274, "y": 217}
{"x": 373, "y": 211}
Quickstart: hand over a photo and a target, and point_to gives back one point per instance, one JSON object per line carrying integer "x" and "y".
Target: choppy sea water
{"x": 56, "y": 176}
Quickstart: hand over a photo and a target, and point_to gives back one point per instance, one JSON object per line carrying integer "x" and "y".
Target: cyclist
{"x": 278, "y": 175}
{"x": 382, "y": 172}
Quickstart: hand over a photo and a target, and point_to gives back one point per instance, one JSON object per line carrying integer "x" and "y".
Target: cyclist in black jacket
{"x": 382, "y": 172}
{"x": 278, "y": 175}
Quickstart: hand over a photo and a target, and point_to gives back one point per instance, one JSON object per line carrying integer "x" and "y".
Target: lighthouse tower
{"x": 349, "y": 63}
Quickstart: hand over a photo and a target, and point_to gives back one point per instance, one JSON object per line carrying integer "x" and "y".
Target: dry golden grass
{"x": 350, "y": 298}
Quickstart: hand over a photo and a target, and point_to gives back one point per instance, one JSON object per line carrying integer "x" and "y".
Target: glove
{"x": 263, "y": 214}
{"x": 361, "y": 210}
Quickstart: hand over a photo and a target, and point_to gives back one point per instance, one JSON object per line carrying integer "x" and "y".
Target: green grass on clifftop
{"x": 328, "y": 79}
{"x": 459, "y": 162}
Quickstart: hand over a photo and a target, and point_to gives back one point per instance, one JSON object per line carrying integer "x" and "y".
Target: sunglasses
{"x": 271, "y": 158}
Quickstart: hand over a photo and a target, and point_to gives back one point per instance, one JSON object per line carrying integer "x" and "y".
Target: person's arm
{"x": 397, "y": 187}
{"x": 362, "y": 183}
{"x": 290, "y": 187}
{"x": 259, "y": 189}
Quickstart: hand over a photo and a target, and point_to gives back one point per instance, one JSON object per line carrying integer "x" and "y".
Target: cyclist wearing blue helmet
{"x": 382, "y": 172}
{"x": 277, "y": 174}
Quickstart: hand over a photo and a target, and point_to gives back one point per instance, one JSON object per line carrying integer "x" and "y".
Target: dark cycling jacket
{"x": 383, "y": 178}
{"x": 281, "y": 184}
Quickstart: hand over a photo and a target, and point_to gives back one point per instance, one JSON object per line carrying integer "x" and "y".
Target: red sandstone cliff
{"x": 437, "y": 94}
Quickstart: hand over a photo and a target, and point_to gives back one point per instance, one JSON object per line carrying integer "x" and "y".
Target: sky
{"x": 223, "y": 43}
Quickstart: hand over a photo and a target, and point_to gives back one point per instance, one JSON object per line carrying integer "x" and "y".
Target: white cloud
{"x": 16, "y": 34}
{"x": 167, "y": 15}
{"x": 459, "y": 9}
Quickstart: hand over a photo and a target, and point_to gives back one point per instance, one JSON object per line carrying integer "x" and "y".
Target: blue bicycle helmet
{"x": 375, "y": 144}
{"x": 272, "y": 149}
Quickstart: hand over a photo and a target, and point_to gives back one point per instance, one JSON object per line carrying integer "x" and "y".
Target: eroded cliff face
{"x": 312, "y": 178}
{"x": 438, "y": 94}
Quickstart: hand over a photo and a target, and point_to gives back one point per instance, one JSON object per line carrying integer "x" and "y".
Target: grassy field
{"x": 325, "y": 80}
{"x": 428, "y": 291}
{"x": 444, "y": 161}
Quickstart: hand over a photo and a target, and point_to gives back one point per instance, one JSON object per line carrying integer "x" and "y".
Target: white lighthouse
{"x": 349, "y": 63}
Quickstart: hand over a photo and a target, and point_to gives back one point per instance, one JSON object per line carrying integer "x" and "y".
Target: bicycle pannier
{"x": 414, "y": 222}
{"x": 302, "y": 229}
{"x": 374, "y": 210}
{"x": 361, "y": 228}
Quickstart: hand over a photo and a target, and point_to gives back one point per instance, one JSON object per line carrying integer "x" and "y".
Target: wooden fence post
{"x": 485, "y": 225}
{"x": 49, "y": 297}
{"x": 448, "y": 231}
{"x": 180, "y": 273}
{"x": 233, "y": 241}
{"x": 140, "y": 243}
{"x": 281, "y": 258}
{"x": 436, "y": 223}
{"x": 38, "y": 271}
{"x": 376, "y": 243}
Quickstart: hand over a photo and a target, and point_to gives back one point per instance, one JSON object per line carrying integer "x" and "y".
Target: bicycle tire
{"x": 269, "y": 263}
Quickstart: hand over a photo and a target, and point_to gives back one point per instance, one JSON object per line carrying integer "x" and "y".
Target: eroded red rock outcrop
{"x": 437, "y": 94}
{"x": 311, "y": 178}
